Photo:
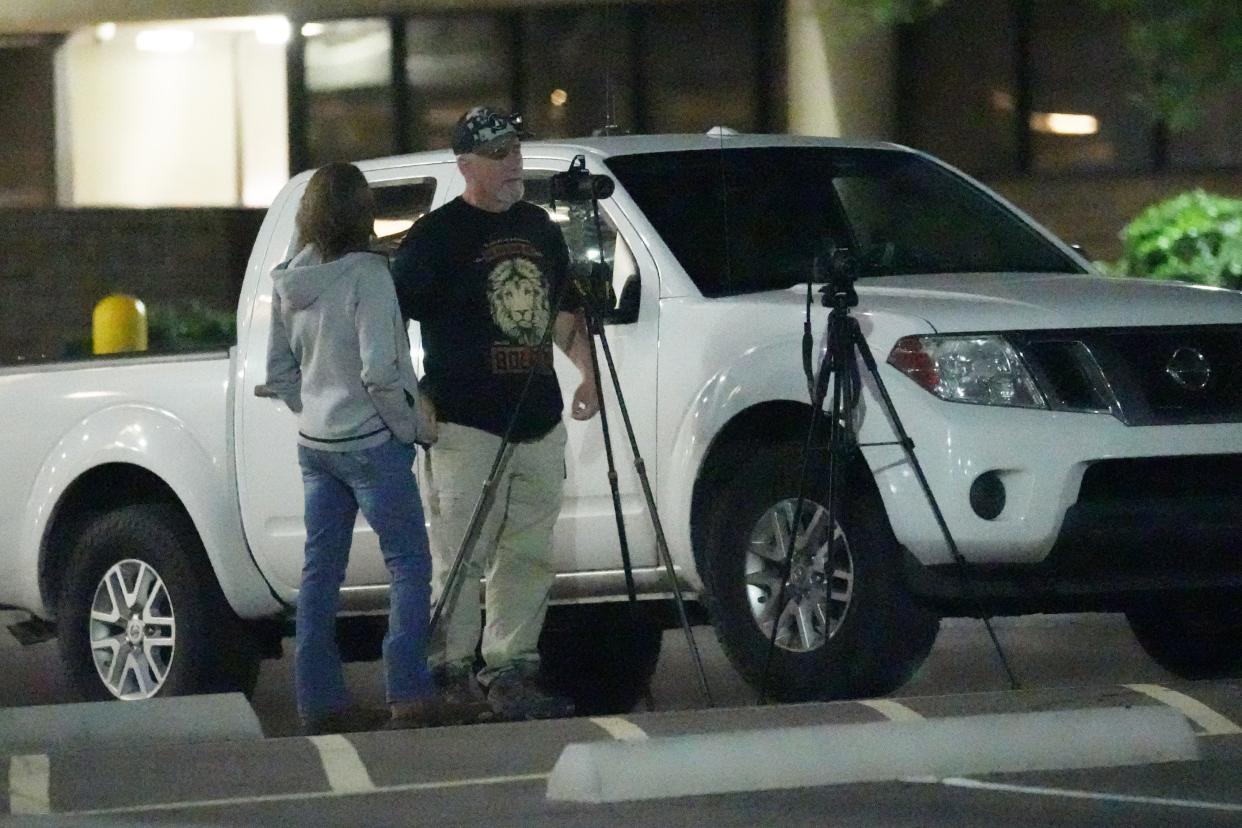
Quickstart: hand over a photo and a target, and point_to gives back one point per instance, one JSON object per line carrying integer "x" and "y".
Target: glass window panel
{"x": 397, "y": 206}
{"x": 754, "y": 219}
{"x": 349, "y": 90}
{"x": 1079, "y": 66}
{"x": 700, "y": 65}
{"x": 577, "y": 69}
{"x": 1216, "y": 141}
{"x": 454, "y": 62}
{"x": 959, "y": 103}
{"x": 27, "y": 174}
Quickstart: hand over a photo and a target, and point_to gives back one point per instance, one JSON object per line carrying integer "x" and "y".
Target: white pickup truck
{"x": 1082, "y": 435}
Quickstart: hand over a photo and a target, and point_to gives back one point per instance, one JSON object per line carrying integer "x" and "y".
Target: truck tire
{"x": 1193, "y": 639}
{"x": 849, "y": 628}
{"x": 600, "y": 655}
{"x": 141, "y": 613}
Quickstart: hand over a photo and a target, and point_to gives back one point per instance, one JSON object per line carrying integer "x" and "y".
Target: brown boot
{"x": 436, "y": 712}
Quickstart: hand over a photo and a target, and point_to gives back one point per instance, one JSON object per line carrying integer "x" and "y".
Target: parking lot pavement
{"x": 498, "y": 772}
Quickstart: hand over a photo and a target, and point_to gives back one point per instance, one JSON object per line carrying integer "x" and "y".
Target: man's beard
{"x": 511, "y": 192}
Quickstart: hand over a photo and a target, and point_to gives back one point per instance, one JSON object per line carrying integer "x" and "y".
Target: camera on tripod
{"x": 838, "y": 268}
{"x": 576, "y": 184}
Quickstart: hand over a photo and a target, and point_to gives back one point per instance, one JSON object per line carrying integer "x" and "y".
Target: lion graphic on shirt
{"x": 519, "y": 301}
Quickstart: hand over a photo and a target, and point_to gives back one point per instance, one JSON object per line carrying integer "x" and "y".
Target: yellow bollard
{"x": 118, "y": 325}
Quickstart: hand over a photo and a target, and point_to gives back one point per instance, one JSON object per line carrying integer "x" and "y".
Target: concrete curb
{"x": 729, "y": 762}
{"x": 178, "y": 719}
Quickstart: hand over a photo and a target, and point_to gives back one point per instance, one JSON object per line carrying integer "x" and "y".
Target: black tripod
{"x": 844, "y": 340}
{"x": 578, "y": 185}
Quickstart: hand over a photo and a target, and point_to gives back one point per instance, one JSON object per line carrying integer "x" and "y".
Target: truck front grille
{"x": 1144, "y": 376}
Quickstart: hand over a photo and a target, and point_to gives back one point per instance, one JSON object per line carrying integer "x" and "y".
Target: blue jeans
{"x": 379, "y": 481}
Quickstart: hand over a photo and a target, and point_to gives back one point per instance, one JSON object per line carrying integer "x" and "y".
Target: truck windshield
{"x": 752, "y": 219}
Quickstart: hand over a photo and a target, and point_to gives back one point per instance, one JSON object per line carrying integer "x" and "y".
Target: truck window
{"x": 397, "y": 206}
{"x": 750, "y": 219}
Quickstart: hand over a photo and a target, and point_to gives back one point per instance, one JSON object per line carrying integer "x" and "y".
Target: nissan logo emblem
{"x": 1189, "y": 368}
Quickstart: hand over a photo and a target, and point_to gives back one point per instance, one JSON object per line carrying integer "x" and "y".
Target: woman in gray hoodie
{"x": 339, "y": 357}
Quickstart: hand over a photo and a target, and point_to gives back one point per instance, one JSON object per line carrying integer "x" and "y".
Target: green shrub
{"x": 1193, "y": 237}
{"x": 190, "y": 326}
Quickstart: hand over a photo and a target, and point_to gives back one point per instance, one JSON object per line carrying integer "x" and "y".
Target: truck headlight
{"x": 978, "y": 369}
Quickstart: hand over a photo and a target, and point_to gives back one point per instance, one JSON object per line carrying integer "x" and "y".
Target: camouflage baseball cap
{"x": 483, "y": 125}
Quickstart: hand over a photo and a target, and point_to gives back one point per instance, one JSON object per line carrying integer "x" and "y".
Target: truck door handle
{"x": 264, "y": 391}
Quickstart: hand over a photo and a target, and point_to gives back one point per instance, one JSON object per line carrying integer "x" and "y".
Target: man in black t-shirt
{"x": 485, "y": 275}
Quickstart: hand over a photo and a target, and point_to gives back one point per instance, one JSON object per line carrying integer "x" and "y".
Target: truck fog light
{"x": 987, "y": 495}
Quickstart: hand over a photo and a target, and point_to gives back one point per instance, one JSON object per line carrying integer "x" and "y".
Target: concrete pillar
{"x": 842, "y": 72}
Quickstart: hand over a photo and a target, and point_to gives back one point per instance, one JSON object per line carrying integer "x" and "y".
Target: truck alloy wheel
{"x": 141, "y": 613}
{"x": 821, "y": 581}
{"x": 849, "y": 626}
{"x": 133, "y": 630}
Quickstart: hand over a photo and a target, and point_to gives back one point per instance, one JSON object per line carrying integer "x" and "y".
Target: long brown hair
{"x": 337, "y": 214}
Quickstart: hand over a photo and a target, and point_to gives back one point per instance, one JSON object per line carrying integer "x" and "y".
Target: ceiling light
{"x": 1064, "y": 123}
{"x": 105, "y": 32}
{"x": 164, "y": 40}
{"x": 313, "y": 29}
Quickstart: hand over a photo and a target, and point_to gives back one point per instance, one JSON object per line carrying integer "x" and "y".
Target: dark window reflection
{"x": 576, "y": 70}
{"x": 1079, "y": 66}
{"x": 349, "y": 86}
{"x": 700, "y": 64}
{"x": 398, "y": 205}
{"x": 570, "y": 71}
{"x": 1216, "y": 140}
{"x": 454, "y": 62}
{"x": 754, "y": 219}
{"x": 960, "y": 90}
{"x": 27, "y": 134}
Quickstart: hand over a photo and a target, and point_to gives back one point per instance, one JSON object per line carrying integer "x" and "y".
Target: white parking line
{"x": 28, "y": 784}
{"x": 309, "y": 795}
{"x": 975, "y": 784}
{"x": 891, "y": 710}
{"x": 342, "y": 764}
{"x": 621, "y": 729}
{"x": 1208, "y": 720}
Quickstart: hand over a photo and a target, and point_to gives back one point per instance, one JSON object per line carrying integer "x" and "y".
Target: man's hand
{"x": 570, "y": 334}
{"x": 586, "y": 402}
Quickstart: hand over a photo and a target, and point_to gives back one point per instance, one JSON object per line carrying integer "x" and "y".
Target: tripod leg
{"x": 489, "y": 486}
{"x": 661, "y": 541}
{"x": 830, "y": 368}
{"x": 613, "y": 483}
{"x": 868, "y": 358}
{"x": 595, "y": 328}
{"x": 473, "y": 528}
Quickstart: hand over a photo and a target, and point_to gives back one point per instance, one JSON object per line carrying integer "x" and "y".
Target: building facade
{"x": 207, "y": 106}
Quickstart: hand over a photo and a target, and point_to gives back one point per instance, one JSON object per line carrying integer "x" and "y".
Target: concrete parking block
{"x": 115, "y": 724}
{"x": 728, "y": 762}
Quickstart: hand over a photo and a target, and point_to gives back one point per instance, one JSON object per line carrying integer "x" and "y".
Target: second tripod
{"x": 902, "y": 630}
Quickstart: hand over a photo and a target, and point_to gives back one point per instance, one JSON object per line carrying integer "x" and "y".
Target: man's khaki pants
{"x": 513, "y": 549}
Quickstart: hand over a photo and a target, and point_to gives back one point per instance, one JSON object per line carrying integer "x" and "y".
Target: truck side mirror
{"x": 626, "y": 311}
